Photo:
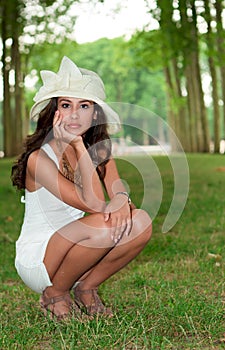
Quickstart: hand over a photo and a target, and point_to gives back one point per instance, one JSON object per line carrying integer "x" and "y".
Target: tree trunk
{"x": 221, "y": 54}
{"x": 176, "y": 105}
{"x": 190, "y": 49}
{"x": 7, "y": 126}
{"x": 18, "y": 95}
{"x": 216, "y": 112}
{"x": 182, "y": 128}
{"x": 171, "y": 113}
{"x": 191, "y": 110}
{"x": 13, "y": 95}
{"x": 211, "y": 47}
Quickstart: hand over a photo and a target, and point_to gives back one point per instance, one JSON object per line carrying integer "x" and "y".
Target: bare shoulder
{"x": 38, "y": 160}
{"x": 38, "y": 163}
{"x": 35, "y": 156}
{"x": 32, "y": 159}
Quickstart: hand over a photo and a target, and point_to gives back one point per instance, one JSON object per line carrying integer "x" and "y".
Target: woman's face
{"x": 77, "y": 114}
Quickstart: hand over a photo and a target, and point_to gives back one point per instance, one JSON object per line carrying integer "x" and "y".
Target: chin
{"x": 74, "y": 131}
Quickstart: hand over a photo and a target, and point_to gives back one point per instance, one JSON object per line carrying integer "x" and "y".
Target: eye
{"x": 85, "y": 105}
{"x": 65, "y": 105}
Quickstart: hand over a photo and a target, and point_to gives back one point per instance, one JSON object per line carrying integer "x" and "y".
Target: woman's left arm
{"x": 118, "y": 210}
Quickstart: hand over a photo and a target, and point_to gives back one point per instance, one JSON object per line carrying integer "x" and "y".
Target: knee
{"x": 142, "y": 224}
{"x": 101, "y": 235}
{"x": 90, "y": 231}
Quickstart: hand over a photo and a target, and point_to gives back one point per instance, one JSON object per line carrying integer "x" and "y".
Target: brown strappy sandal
{"x": 96, "y": 306}
{"x": 45, "y": 302}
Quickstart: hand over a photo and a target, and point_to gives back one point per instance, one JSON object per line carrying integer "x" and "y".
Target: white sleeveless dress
{"x": 44, "y": 215}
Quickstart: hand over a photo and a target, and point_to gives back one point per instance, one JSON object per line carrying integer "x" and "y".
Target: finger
{"x": 112, "y": 233}
{"x": 62, "y": 124}
{"x": 123, "y": 225}
{"x": 118, "y": 232}
{"x": 121, "y": 229}
{"x": 56, "y": 124}
{"x": 106, "y": 216}
{"x": 56, "y": 118}
{"x": 113, "y": 230}
{"x": 128, "y": 228}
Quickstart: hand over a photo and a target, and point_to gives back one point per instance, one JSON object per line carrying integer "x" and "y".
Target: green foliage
{"x": 170, "y": 297}
{"x": 133, "y": 71}
{"x": 147, "y": 48}
{"x": 114, "y": 61}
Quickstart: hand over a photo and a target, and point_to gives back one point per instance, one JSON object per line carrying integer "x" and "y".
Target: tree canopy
{"x": 189, "y": 45}
{"x": 164, "y": 70}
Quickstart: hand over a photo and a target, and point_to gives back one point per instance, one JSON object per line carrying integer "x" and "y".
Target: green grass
{"x": 171, "y": 297}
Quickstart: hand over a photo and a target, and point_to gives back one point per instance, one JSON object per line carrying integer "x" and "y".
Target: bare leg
{"x": 73, "y": 251}
{"x": 68, "y": 260}
{"x": 120, "y": 255}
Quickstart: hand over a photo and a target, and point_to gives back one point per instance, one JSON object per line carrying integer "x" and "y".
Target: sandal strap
{"x": 96, "y": 305}
{"x": 50, "y": 301}
{"x": 85, "y": 291}
{"x": 94, "y": 296}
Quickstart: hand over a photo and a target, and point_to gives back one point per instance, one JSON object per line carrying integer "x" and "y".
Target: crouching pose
{"x": 73, "y": 238}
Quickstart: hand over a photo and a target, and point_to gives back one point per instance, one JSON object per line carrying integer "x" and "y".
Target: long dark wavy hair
{"x": 96, "y": 140}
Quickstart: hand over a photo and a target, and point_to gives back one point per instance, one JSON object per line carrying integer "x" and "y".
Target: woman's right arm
{"x": 42, "y": 171}
{"x": 91, "y": 185}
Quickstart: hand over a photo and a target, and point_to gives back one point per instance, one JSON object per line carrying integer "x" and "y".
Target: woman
{"x": 66, "y": 169}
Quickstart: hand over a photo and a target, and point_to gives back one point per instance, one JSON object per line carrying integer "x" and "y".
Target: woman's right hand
{"x": 60, "y": 132}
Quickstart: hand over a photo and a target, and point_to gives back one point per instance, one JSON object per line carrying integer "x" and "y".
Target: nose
{"x": 74, "y": 114}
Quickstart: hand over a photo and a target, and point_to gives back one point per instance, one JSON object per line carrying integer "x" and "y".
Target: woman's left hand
{"x": 118, "y": 212}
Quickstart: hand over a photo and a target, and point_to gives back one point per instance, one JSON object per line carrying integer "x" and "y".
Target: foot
{"x": 90, "y": 301}
{"x": 58, "y": 306}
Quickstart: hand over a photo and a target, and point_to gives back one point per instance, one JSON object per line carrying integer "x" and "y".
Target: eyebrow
{"x": 68, "y": 100}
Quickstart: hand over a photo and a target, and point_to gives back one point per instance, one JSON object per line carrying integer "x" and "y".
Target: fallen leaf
{"x": 222, "y": 169}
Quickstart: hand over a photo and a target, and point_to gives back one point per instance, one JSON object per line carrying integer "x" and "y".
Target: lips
{"x": 73, "y": 126}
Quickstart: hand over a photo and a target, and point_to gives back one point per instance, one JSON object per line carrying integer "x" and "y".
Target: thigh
{"x": 90, "y": 231}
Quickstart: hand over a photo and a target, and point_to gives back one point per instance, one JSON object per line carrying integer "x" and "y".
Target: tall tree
{"x": 179, "y": 55}
{"x": 191, "y": 57}
{"x": 220, "y": 35}
{"x": 173, "y": 73}
{"x": 210, "y": 38}
{"x": 16, "y": 16}
{"x": 9, "y": 32}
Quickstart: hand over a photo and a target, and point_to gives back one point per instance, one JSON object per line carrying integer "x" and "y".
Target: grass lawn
{"x": 171, "y": 297}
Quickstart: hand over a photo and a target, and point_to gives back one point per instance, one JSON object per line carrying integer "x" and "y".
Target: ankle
{"x": 52, "y": 291}
{"x": 83, "y": 285}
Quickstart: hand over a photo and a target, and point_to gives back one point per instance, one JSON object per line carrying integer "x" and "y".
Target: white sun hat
{"x": 71, "y": 81}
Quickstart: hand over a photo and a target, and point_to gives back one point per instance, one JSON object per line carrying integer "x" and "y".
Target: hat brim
{"x": 113, "y": 120}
